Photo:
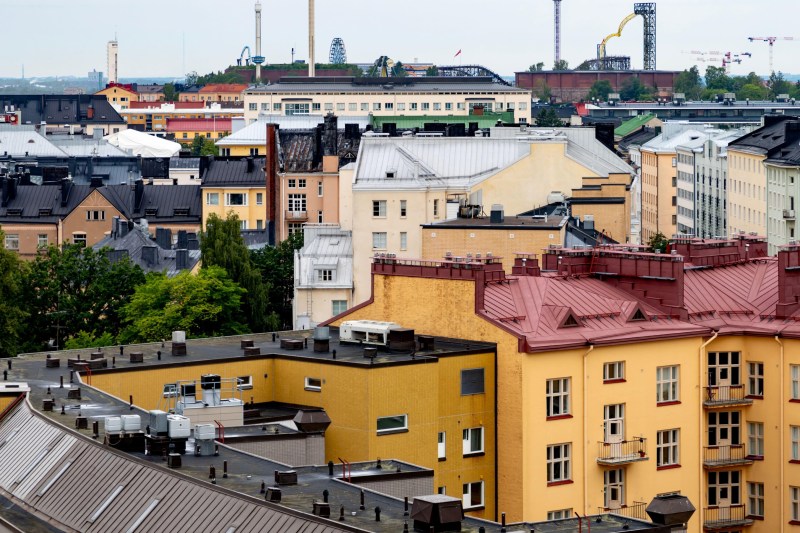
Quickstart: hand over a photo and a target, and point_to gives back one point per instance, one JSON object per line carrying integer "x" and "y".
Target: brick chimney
{"x": 526, "y": 265}
{"x": 704, "y": 253}
{"x": 788, "y": 281}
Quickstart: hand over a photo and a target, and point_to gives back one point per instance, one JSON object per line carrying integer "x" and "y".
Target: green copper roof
{"x": 633, "y": 124}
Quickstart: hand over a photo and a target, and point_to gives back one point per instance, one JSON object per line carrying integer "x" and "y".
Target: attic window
{"x": 45, "y": 211}
{"x": 14, "y": 212}
{"x": 151, "y": 211}
{"x": 391, "y": 173}
{"x": 570, "y": 322}
{"x": 638, "y": 315}
{"x": 181, "y": 212}
{"x": 31, "y": 141}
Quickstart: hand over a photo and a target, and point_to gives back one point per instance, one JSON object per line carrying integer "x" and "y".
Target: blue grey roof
{"x": 133, "y": 242}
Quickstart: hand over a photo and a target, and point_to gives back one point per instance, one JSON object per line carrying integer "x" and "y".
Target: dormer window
{"x": 151, "y": 212}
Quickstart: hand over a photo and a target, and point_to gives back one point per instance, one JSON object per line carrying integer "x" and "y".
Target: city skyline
{"x": 152, "y": 41}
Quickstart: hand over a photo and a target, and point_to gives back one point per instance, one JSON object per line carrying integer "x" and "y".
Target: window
{"x": 79, "y": 239}
{"x": 313, "y": 384}
{"x": 42, "y": 241}
{"x": 614, "y": 488}
{"x": 319, "y": 189}
{"x": 472, "y": 381}
{"x": 473, "y": 495}
{"x": 437, "y": 106}
{"x": 265, "y": 106}
{"x": 296, "y": 109}
{"x": 253, "y": 151}
{"x": 401, "y": 107}
{"x": 426, "y": 106}
{"x": 297, "y": 202}
{"x": 292, "y": 183}
{"x": 472, "y": 441}
{"x": 558, "y": 397}
{"x": 614, "y": 372}
{"x": 364, "y": 106}
{"x": 723, "y": 488}
{"x": 276, "y": 106}
{"x": 325, "y": 275}
{"x": 461, "y": 106}
{"x": 235, "y": 198}
{"x": 755, "y": 439}
{"x": 259, "y": 224}
{"x": 244, "y": 382}
{"x": 12, "y": 241}
{"x": 441, "y": 490}
{"x": 558, "y": 465}
{"x": 378, "y": 240}
{"x": 723, "y": 428}
{"x": 315, "y": 106}
{"x": 95, "y": 214}
{"x": 253, "y": 106}
{"x": 338, "y": 307}
{"x": 340, "y": 106}
{"x": 243, "y": 224}
{"x": 414, "y": 106}
{"x": 319, "y": 217}
{"x": 795, "y": 432}
{"x": 795, "y": 503}
{"x": 448, "y": 106}
{"x": 170, "y": 390}
{"x": 403, "y": 208}
{"x": 301, "y": 183}
{"x": 755, "y": 499}
{"x": 388, "y": 106}
{"x": 376, "y": 106}
{"x": 442, "y": 446}
{"x": 667, "y": 384}
{"x": 403, "y": 240}
{"x": 436, "y": 209}
{"x": 755, "y": 379}
{"x": 795, "y": 382}
{"x": 723, "y": 369}
{"x": 352, "y": 106}
{"x": 667, "y": 448}
{"x": 329, "y": 106}
{"x": 379, "y": 208}
{"x": 295, "y": 227}
{"x": 560, "y": 514}
{"x": 259, "y": 198}
{"x": 391, "y": 424}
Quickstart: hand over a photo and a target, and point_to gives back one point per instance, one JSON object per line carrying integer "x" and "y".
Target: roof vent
{"x": 436, "y": 513}
{"x": 496, "y": 216}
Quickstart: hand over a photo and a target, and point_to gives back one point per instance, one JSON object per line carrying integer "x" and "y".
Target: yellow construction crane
{"x": 601, "y": 48}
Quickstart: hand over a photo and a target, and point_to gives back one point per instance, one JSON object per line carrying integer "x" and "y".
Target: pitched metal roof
{"x": 233, "y": 171}
{"x": 20, "y": 141}
{"x": 256, "y": 133}
{"x": 42, "y": 203}
{"x": 62, "y": 109}
{"x": 133, "y": 242}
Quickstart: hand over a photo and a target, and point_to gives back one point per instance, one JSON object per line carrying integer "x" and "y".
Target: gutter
{"x": 783, "y": 444}
{"x": 701, "y": 366}
{"x": 585, "y": 430}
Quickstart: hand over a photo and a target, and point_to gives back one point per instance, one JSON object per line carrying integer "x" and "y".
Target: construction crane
{"x": 714, "y": 56}
{"x": 557, "y": 31}
{"x": 771, "y": 41}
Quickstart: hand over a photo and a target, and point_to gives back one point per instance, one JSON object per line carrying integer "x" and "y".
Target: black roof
{"x": 235, "y": 171}
{"x": 155, "y": 167}
{"x": 638, "y": 138}
{"x": 62, "y": 109}
{"x": 779, "y": 139}
{"x": 42, "y": 203}
{"x": 130, "y": 245}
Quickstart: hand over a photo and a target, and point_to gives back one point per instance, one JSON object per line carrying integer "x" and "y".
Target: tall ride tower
{"x": 311, "y": 72}
{"x": 258, "y": 59}
{"x": 112, "y": 50}
{"x": 557, "y": 32}
{"x": 648, "y": 12}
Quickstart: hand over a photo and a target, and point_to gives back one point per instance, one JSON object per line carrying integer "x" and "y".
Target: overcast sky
{"x": 68, "y": 37}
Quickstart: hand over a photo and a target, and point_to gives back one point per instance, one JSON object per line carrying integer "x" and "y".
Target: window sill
{"x": 667, "y": 467}
{"x": 475, "y": 508}
{"x": 794, "y": 400}
{"x": 665, "y": 404}
{"x": 755, "y": 396}
{"x": 557, "y": 483}
{"x": 312, "y": 389}
{"x": 794, "y": 461}
{"x": 754, "y": 517}
{"x": 794, "y": 522}
{"x": 558, "y": 417}
{"x": 442, "y": 459}
{"x": 474, "y": 454}
{"x": 611, "y": 381}
{"x": 755, "y": 457}
{"x": 392, "y": 431}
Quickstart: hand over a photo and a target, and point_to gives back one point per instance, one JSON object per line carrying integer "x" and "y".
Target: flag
{"x": 458, "y": 53}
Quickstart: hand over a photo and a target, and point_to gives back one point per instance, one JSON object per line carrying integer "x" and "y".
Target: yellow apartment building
{"x": 222, "y": 92}
{"x": 624, "y": 375}
{"x": 119, "y": 95}
{"x": 238, "y": 186}
{"x": 434, "y": 409}
{"x": 153, "y": 116}
{"x": 747, "y": 203}
{"x": 186, "y": 129}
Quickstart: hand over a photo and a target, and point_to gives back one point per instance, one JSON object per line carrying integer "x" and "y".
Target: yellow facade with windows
{"x": 248, "y": 203}
{"x": 747, "y": 192}
{"x": 659, "y": 194}
{"x": 119, "y": 96}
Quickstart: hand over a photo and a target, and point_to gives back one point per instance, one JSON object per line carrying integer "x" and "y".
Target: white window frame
{"x": 404, "y": 427}
{"x": 229, "y": 195}
{"x": 403, "y": 208}
{"x": 559, "y": 514}
{"x": 614, "y": 371}
{"x": 558, "y": 397}
{"x": 259, "y": 198}
{"x": 795, "y": 496}
{"x": 472, "y": 441}
{"x": 559, "y": 462}
{"x": 442, "y": 445}
{"x": 379, "y": 240}
{"x": 320, "y": 189}
{"x": 795, "y": 373}
{"x": 378, "y": 208}
{"x": 312, "y": 384}
{"x": 614, "y": 478}
{"x": 403, "y": 240}
{"x": 79, "y": 238}
{"x": 755, "y": 439}
{"x": 244, "y": 382}
{"x": 325, "y": 274}
{"x": 755, "y": 498}
{"x": 668, "y": 384}
{"x": 468, "y": 491}
{"x": 42, "y": 240}
{"x": 336, "y": 304}
{"x": 12, "y": 241}
{"x": 170, "y": 390}
{"x": 794, "y": 433}
{"x": 668, "y": 447}
{"x": 755, "y": 378}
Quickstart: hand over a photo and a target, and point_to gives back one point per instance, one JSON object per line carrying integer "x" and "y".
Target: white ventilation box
{"x": 179, "y": 427}
{"x": 131, "y": 423}
{"x": 366, "y": 331}
{"x": 112, "y": 424}
{"x": 204, "y": 432}
{"x": 178, "y": 336}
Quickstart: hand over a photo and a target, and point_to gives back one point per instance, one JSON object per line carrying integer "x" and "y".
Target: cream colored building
{"x": 406, "y": 96}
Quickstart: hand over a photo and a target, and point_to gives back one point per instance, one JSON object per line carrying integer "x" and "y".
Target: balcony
{"x": 619, "y": 453}
{"x": 635, "y": 510}
{"x": 724, "y": 518}
{"x": 715, "y": 457}
{"x": 725, "y": 396}
{"x": 297, "y": 216}
{"x": 788, "y": 214}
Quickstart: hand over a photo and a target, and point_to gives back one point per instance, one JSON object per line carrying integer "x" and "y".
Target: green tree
{"x": 717, "y": 78}
{"x": 536, "y": 67}
{"x": 432, "y": 71}
{"x": 170, "y": 93}
{"x": 561, "y": 64}
{"x": 633, "y": 89}
{"x": 222, "y": 245}
{"x": 547, "y": 118}
{"x": 277, "y": 269}
{"x": 12, "y": 314}
{"x": 85, "y": 339}
{"x": 600, "y": 90}
{"x": 752, "y": 92}
{"x": 542, "y": 91}
{"x": 203, "y": 146}
{"x": 658, "y": 242}
{"x": 77, "y": 289}
{"x": 204, "y": 305}
{"x": 778, "y": 85}
{"x": 689, "y": 83}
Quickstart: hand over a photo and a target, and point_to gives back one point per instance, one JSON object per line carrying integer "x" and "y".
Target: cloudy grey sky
{"x": 62, "y": 37}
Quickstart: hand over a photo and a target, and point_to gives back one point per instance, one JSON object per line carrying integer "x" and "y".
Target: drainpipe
{"x": 783, "y": 446}
{"x": 700, "y": 418}
{"x": 585, "y": 431}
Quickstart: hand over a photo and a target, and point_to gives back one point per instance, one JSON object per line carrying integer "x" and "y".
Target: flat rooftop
{"x": 517, "y": 223}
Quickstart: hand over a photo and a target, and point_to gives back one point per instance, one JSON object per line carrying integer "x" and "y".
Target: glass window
{"x": 244, "y": 382}
{"x": 437, "y": 106}
{"x": 319, "y": 188}
{"x": 295, "y": 227}
{"x": 558, "y": 397}
{"x": 292, "y": 183}
{"x": 297, "y": 109}
{"x": 392, "y": 423}
{"x": 795, "y": 494}
{"x": 614, "y": 371}
{"x": 297, "y": 202}
{"x": 560, "y": 514}
{"x": 426, "y": 106}
{"x": 338, "y": 307}
{"x": 448, "y": 106}
{"x": 442, "y": 447}
{"x": 472, "y": 381}
{"x": 313, "y": 384}
{"x": 376, "y": 106}
{"x": 340, "y": 106}
{"x": 378, "y": 240}
{"x": 472, "y": 495}
{"x": 472, "y": 441}
{"x": 315, "y": 106}
{"x": 235, "y": 198}
{"x": 795, "y": 369}
{"x": 352, "y": 106}
{"x": 364, "y": 106}
{"x": 667, "y": 384}
{"x": 301, "y": 183}
{"x": 413, "y": 106}
{"x": 170, "y": 390}
{"x": 795, "y": 433}
{"x": 401, "y": 107}
{"x": 614, "y": 488}
{"x": 558, "y": 462}
{"x": 265, "y": 106}
{"x": 403, "y": 208}
{"x": 461, "y": 106}
{"x": 388, "y": 106}
{"x": 12, "y": 241}
{"x": 329, "y": 106}
{"x": 667, "y": 447}
{"x": 379, "y": 208}
{"x": 435, "y": 208}
{"x": 259, "y": 198}
{"x": 319, "y": 217}
{"x": 276, "y": 106}
{"x": 755, "y": 499}
{"x": 403, "y": 240}
{"x": 42, "y": 241}
{"x": 253, "y": 106}
{"x": 325, "y": 275}
{"x": 755, "y": 439}
{"x": 79, "y": 239}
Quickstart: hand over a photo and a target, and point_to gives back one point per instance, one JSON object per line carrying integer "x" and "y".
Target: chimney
{"x": 792, "y": 132}
{"x": 604, "y": 132}
{"x": 181, "y": 259}
{"x": 331, "y": 135}
{"x": 66, "y": 187}
{"x": 183, "y": 239}
{"x": 250, "y": 165}
{"x": 526, "y": 265}
{"x": 193, "y": 244}
{"x": 316, "y": 148}
{"x": 150, "y": 255}
{"x": 788, "y": 281}
{"x": 311, "y": 66}
{"x": 496, "y": 215}
{"x": 138, "y": 195}
{"x": 90, "y": 112}
{"x": 164, "y": 238}
{"x": 271, "y": 175}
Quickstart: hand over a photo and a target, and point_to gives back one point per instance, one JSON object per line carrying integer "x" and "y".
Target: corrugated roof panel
{"x": 40, "y": 473}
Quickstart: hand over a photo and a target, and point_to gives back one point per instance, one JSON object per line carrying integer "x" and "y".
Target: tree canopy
{"x": 547, "y": 118}
{"x": 690, "y": 83}
{"x": 276, "y": 264}
{"x": 658, "y": 242}
{"x": 600, "y": 90}
{"x": 13, "y": 317}
{"x": 561, "y": 64}
{"x": 536, "y": 67}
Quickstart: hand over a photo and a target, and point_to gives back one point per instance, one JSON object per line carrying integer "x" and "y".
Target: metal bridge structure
{"x": 471, "y": 71}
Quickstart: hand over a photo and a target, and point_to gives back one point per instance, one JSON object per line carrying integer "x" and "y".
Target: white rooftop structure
{"x": 142, "y": 144}
{"x": 256, "y": 133}
{"x": 79, "y": 146}
{"x": 22, "y": 141}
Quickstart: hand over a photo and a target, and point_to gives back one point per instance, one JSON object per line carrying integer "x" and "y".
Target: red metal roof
{"x": 198, "y": 124}
{"x": 157, "y": 105}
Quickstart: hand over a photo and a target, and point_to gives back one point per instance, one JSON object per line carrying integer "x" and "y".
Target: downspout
{"x": 700, "y": 367}
{"x": 585, "y": 431}
{"x": 783, "y": 446}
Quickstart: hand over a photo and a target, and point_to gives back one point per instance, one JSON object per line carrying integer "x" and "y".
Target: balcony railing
{"x": 725, "y": 395}
{"x": 635, "y": 510}
{"x": 725, "y": 517}
{"x": 723, "y": 456}
{"x": 296, "y": 215}
{"x": 626, "y": 451}
{"x": 788, "y": 214}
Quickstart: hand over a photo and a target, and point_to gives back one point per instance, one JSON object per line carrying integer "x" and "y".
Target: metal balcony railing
{"x": 635, "y": 510}
{"x": 727, "y": 455}
{"x": 626, "y": 451}
{"x": 725, "y": 517}
{"x": 296, "y": 215}
{"x": 721, "y": 395}
{"x": 788, "y": 214}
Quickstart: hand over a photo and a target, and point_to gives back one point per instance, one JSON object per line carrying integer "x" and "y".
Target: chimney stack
{"x": 788, "y": 281}
{"x": 271, "y": 175}
{"x": 311, "y": 71}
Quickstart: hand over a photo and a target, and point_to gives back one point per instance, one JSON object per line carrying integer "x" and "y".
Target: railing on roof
{"x": 635, "y": 510}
